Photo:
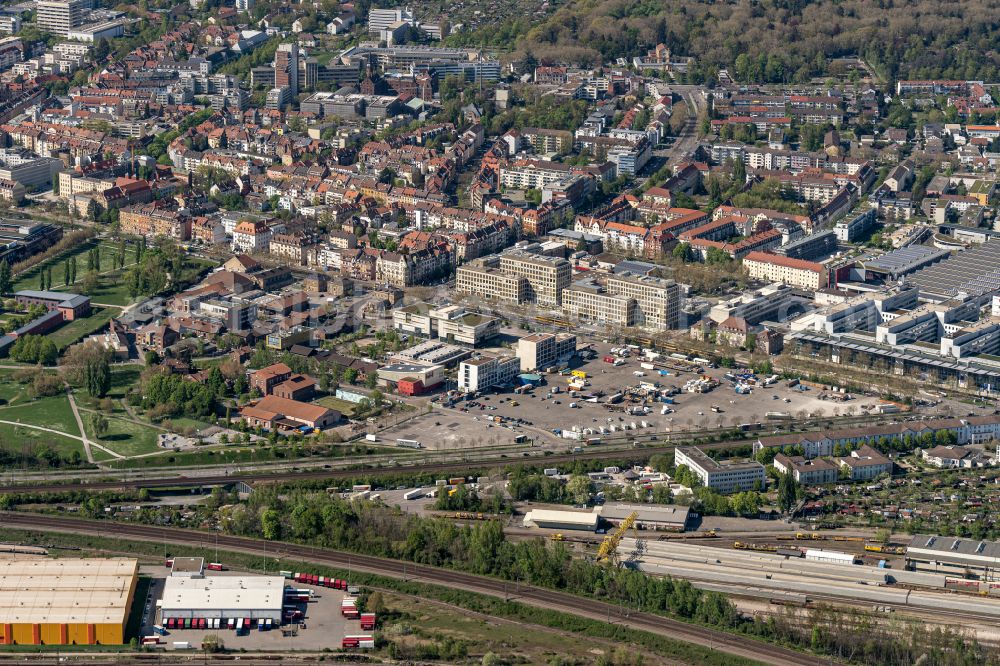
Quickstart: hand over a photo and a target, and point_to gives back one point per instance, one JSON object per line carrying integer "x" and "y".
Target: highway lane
{"x": 539, "y": 597}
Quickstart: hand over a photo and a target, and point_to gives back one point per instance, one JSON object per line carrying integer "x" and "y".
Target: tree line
{"x": 325, "y": 520}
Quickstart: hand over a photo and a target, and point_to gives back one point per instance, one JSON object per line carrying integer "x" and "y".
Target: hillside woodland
{"x": 774, "y": 41}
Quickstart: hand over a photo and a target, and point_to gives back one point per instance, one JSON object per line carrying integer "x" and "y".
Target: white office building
{"x": 487, "y": 372}
{"x": 725, "y": 477}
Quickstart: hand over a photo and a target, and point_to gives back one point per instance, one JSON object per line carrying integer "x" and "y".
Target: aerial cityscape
{"x": 559, "y": 332}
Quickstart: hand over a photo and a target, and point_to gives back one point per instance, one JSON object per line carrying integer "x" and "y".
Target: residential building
{"x": 807, "y": 471}
{"x": 725, "y": 476}
{"x": 60, "y": 16}
{"x": 866, "y": 463}
{"x": 795, "y": 272}
{"x": 250, "y": 236}
{"x": 286, "y": 68}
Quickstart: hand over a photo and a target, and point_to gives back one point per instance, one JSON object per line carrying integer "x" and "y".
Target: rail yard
{"x": 563, "y": 602}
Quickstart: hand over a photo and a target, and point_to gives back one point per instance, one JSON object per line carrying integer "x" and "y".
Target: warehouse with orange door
{"x": 66, "y": 601}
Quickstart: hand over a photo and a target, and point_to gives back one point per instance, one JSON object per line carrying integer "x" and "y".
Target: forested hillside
{"x": 780, "y": 40}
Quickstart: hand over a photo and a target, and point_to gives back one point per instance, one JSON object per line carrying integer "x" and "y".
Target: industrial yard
{"x": 665, "y": 394}
{"x": 189, "y": 603}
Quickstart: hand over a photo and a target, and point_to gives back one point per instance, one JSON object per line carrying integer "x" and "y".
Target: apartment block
{"x": 60, "y": 16}
{"x": 795, "y": 272}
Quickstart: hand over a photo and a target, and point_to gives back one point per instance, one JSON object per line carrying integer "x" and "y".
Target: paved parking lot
{"x": 322, "y": 627}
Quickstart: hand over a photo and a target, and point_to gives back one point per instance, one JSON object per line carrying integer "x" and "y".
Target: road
{"x": 737, "y": 645}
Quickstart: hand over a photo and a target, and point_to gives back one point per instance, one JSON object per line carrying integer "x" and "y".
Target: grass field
{"x": 53, "y": 412}
{"x": 30, "y": 279}
{"x": 123, "y": 437}
{"x": 74, "y": 331}
{"x": 14, "y": 438}
{"x": 12, "y": 392}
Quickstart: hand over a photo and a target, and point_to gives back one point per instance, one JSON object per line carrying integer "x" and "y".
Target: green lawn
{"x": 74, "y": 331}
{"x": 112, "y": 290}
{"x": 12, "y": 392}
{"x": 123, "y": 437}
{"x": 30, "y": 279}
{"x": 14, "y": 438}
{"x": 53, "y": 412}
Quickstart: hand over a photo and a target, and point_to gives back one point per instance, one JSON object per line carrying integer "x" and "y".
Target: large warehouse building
{"x": 66, "y": 601}
{"x": 968, "y": 558}
{"x": 253, "y": 597}
{"x": 561, "y": 520}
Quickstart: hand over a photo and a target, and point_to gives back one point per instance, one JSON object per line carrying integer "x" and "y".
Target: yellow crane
{"x": 608, "y": 550}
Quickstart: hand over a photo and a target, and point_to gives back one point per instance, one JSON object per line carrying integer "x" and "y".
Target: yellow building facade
{"x": 66, "y": 601}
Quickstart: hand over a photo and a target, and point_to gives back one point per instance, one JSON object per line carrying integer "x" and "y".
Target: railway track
{"x": 526, "y": 594}
{"x": 611, "y": 448}
{"x": 332, "y": 474}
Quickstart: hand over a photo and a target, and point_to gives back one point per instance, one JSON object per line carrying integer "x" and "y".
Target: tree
{"x": 102, "y": 49}
{"x": 5, "y": 277}
{"x": 97, "y": 376}
{"x": 72, "y": 270}
{"x": 270, "y": 524}
{"x": 578, "y": 487}
{"x": 99, "y": 424}
{"x": 91, "y": 283}
{"x": 787, "y": 492}
{"x": 213, "y": 643}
